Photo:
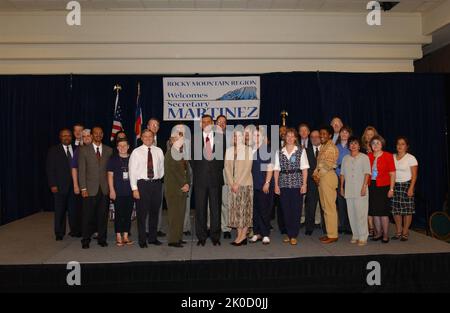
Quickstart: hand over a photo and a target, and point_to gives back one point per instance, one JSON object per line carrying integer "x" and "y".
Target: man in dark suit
{"x": 93, "y": 182}
{"x": 312, "y": 194}
{"x": 207, "y": 166}
{"x": 60, "y": 182}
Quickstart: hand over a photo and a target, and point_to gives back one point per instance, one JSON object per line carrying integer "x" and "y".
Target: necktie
{"x": 98, "y": 154}
{"x": 208, "y": 149}
{"x": 316, "y": 153}
{"x": 69, "y": 155}
{"x": 150, "y": 172}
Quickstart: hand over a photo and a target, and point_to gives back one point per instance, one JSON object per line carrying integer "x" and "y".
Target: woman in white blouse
{"x": 403, "y": 206}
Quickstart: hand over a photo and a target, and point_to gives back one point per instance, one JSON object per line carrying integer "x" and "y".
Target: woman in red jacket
{"x": 381, "y": 187}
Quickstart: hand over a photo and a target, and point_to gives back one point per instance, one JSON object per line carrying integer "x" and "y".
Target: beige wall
{"x": 177, "y": 42}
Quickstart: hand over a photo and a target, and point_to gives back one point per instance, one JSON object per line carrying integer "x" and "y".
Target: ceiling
{"x": 301, "y": 5}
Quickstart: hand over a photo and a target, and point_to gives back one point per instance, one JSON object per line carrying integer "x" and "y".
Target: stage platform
{"x": 31, "y": 260}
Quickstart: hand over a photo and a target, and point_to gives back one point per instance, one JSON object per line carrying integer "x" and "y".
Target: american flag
{"x": 138, "y": 121}
{"x": 117, "y": 122}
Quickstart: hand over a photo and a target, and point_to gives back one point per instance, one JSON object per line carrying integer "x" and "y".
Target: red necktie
{"x": 98, "y": 154}
{"x": 208, "y": 149}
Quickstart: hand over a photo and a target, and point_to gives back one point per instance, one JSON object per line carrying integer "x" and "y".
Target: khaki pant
{"x": 358, "y": 209}
{"x": 327, "y": 193}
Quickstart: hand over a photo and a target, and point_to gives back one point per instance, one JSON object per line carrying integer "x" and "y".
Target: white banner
{"x": 188, "y": 98}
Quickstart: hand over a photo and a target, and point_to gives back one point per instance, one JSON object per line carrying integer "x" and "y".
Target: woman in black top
{"x": 120, "y": 192}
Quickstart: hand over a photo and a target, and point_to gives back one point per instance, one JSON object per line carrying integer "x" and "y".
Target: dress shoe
{"x": 161, "y": 233}
{"x": 187, "y": 233}
{"x": 238, "y": 244}
{"x": 84, "y": 246}
{"x": 182, "y": 242}
{"x": 323, "y": 238}
{"x": 385, "y": 240}
{"x": 227, "y": 235}
{"x": 329, "y": 240}
{"x": 308, "y": 232}
{"x": 255, "y": 239}
{"x": 59, "y": 238}
{"x": 293, "y": 241}
{"x": 216, "y": 242}
{"x": 156, "y": 242}
{"x": 143, "y": 245}
{"x": 201, "y": 242}
{"x": 176, "y": 245}
{"x": 286, "y": 239}
{"x": 103, "y": 244}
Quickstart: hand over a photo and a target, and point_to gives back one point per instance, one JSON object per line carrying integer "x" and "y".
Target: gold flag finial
{"x": 284, "y": 113}
{"x": 117, "y": 88}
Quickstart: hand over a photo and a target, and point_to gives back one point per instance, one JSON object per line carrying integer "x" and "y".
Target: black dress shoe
{"x": 227, "y": 235}
{"x": 216, "y": 242}
{"x": 182, "y": 242}
{"x": 143, "y": 245}
{"x": 103, "y": 244}
{"x": 201, "y": 242}
{"x": 176, "y": 245}
{"x": 160, "y": 234}
{"x": 59, "y": 238}
{"x": 238, "y": 244}
{"x": 187, "y": 233}
{"x": 84, "y": 246}
{"x": 156, "y": 242}
{"x": 308, "y": 232}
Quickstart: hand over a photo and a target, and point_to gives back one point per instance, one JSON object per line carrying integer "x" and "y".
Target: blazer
{"x": 209, "y": 173}
{"x": 58, "y": 169}
{"x": 242, "y": 166}
{"x": 385, "y": 165}
{"x": 92, "y": 174}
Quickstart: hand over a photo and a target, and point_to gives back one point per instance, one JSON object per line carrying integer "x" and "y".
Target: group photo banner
{"x": 188, "y": 98}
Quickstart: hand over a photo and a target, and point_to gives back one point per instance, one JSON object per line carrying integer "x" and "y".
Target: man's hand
{"x": 76, "y": 190}
{"x": 112, "y": 194}
{"x": 185, "y": 188}
{"x": 54, "y": 189}
{"x": 136, "y": 194}
{"x": 84, "y": 193}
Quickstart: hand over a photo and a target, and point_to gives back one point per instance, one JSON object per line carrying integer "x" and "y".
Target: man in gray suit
{"x": 93, "y": 182}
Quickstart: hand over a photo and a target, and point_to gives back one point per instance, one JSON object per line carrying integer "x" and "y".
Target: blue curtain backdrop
{"x": 34, "y": 108}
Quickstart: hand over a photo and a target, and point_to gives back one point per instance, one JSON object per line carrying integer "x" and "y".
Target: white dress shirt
{"x": 304, "y": 164}
{"x": 335, "y": 137}
{"x": 304, "y": 142}
{"x": 77, "y": 142}
{"x": 211, "y": 139}
{"x": 100, "y": 148}
{"x": 137, "y": 165}
{"x": 70, "y": 149}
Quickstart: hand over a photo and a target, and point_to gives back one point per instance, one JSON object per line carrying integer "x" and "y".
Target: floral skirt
{"x": 240, "y": 211}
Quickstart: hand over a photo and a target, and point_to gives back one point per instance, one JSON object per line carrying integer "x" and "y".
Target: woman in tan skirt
{"x": 238, "y": 176}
